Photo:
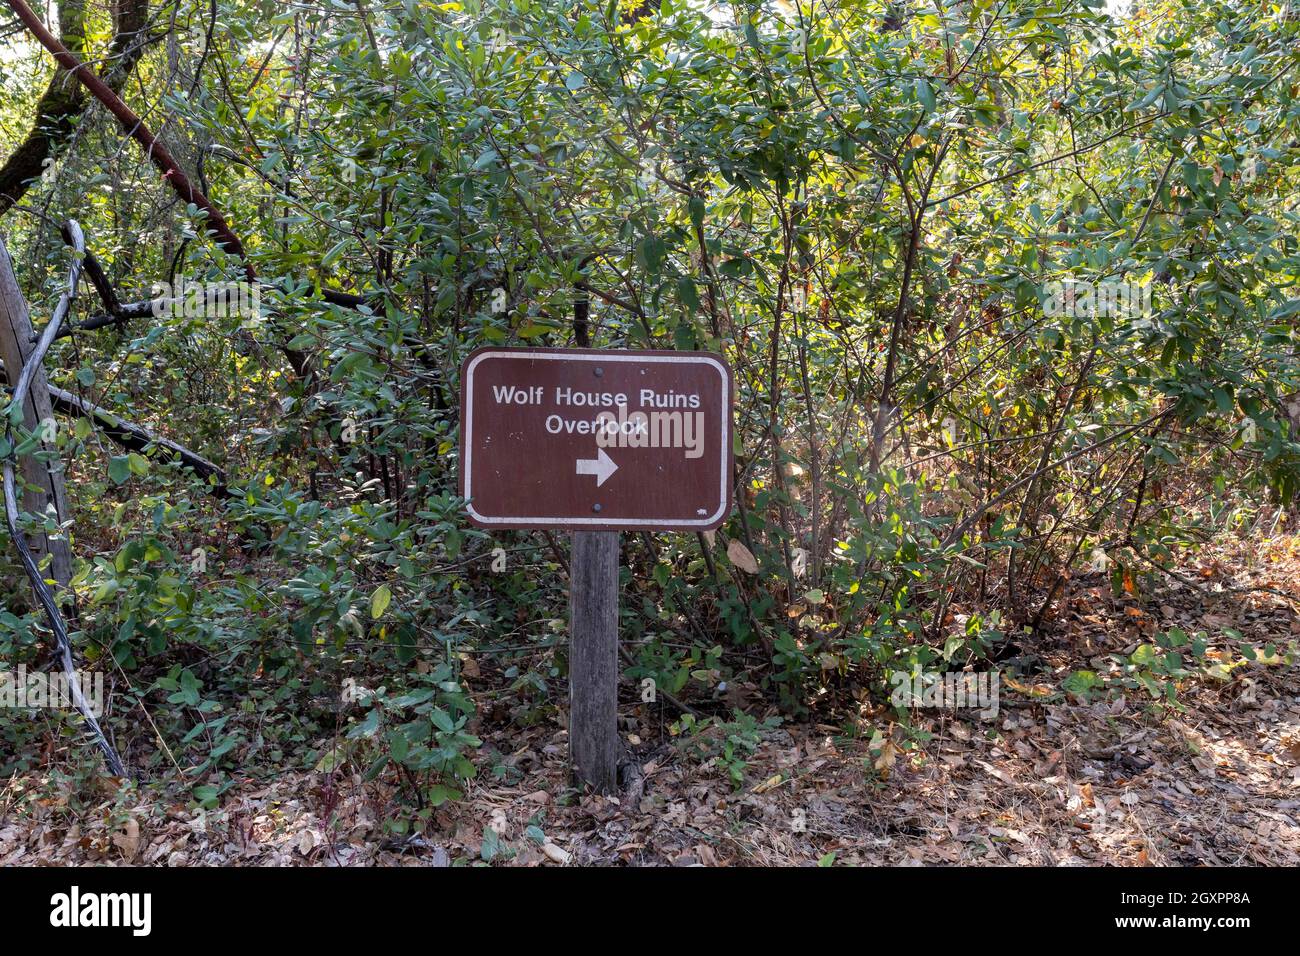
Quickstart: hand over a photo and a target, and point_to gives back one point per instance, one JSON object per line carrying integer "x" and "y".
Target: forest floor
{"x": 1052, "y": 782}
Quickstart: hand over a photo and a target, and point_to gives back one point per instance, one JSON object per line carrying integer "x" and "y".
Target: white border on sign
{"x": 611, "y": 357}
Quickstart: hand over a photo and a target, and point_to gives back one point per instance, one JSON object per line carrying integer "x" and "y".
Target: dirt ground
{"x": 1047, "y": 782}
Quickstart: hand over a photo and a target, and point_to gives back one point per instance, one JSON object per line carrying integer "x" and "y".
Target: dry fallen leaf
{"x": 740, "y": 556}
{"x": 886, "y": 759}
{"x": 995, "y": 772}
{"x": 556, "y": 854}
{"x": 128, "y": 841}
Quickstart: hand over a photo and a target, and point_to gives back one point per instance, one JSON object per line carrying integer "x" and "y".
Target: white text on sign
{"x": 615, "y": 426}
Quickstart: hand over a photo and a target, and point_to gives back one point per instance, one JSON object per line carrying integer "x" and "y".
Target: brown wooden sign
{"x": 596, "y": 440}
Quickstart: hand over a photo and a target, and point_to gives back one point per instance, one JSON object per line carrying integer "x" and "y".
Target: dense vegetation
{"x": 1008, "y": 289}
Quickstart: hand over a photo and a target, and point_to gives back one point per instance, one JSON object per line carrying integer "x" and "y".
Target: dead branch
{"x": 135, "y": 437}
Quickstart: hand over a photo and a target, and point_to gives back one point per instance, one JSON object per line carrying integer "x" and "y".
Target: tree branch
{"x": 134, "y": 127}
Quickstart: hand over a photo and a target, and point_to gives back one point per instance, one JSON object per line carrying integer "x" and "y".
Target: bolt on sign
{"x": 596, "y": 440}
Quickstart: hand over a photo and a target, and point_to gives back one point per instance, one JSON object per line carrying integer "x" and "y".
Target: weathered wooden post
{"x": 593, "y": 634}
{"x": 593, "y": 659}
{"x": 44, "y": 479}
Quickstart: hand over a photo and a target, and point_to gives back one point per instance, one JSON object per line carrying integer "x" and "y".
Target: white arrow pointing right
{"x": 602, "y": 466}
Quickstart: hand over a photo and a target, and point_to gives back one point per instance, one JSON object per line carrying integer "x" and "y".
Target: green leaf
{"x": 1145, "y": 655}
{"x": 398, "y": 745}
{"x": 379, "y": 601}
{"x": 1080, "y": 682}
{"x": 695, "y": 206}
{"x": 650, "y": 254}
{"x": 441, "y": 793}
{"x": 491, "y": 845}
{"x": 924, "y": 94}
{"x": 328, "y": 761}
{"x": 442, "y": 720}
{"x": 367, "y": 727}
{"x": 119, "y": 469}
{"x": 686, "y": 292}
